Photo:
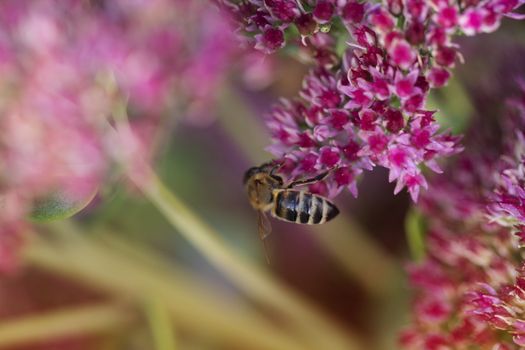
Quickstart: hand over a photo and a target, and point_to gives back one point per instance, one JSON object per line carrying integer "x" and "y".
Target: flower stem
{"x": 128, "y": 275}
{"x": 415, "y": 234}
{"x": 84, "y": 320}
{"x": 160, "y": 324}
{"x": 254, "y": 281}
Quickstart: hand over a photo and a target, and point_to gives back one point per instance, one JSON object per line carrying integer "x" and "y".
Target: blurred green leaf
{"x": 454, "y": 106}
{"x": 160, "y": 324}
{"x": 415, "y": 229}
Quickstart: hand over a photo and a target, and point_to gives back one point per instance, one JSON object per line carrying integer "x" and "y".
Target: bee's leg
{"x": 274, "y": 169}
{"x": 276, "y": 166}
{"x": 317, "y": 178}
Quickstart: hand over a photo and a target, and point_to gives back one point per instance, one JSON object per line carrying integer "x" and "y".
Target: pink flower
{"x": 270, "y": 40}
{"x": 382, "y": 20}
{"x": 405, "y": 86}
{"x": 470, "y": 289}
{"x": 438, "y": 77}
{"x": 447, "y": 17}
{"x": 354, "y": 140}
{"x": 323, "y": 11}
{"x": 471, "y": 22}
{"x": 284, "y": 10}
{"x": 370, "y": 104}
{"x": 306, "y": 24}
{"x": 507, "y": 204}
{"x": 402, "y": 54}
{"x": 67, "y": 67}
{"x": 446, "y": 56}
{"x": 423, "y": 21}
{"x": 353, "y": 12}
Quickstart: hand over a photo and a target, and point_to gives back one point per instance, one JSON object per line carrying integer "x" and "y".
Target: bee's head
{"x": 250, "y": 173}
{"x": 263, "y": 169}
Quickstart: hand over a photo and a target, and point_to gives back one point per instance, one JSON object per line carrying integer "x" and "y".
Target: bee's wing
{"x": 265, "y": 228}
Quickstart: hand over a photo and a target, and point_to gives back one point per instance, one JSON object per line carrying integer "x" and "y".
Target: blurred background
{"x": 119, "y": 274}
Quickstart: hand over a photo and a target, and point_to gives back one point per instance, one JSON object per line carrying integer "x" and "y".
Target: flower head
{"x": 507, "y": 204}
{"x": 470, "y": 289}
{"x": 373, "y": 98}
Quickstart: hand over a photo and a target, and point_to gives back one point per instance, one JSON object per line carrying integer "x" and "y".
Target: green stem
{"x": 85, "y": 320}
{"x": 240, "y": 124}
{"x": 160, "y": 324}
{"x": 119, "y": 272}
{"x": 255, "y": 282}
{"x": 415, "y": 234}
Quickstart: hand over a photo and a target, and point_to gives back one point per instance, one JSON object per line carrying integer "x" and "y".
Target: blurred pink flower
{"x": 65, "y": 67}
{"x": 470, "y": 289}
{"x": 507, "y": 203}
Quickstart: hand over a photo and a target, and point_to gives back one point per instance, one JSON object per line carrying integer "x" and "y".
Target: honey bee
{"x": 268, "y": 193}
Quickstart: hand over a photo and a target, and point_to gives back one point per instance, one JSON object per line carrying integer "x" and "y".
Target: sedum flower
{"x": 470, "y": 289}
{"x": 326, "y": 130}
{"x": 507, "y": 203}
{"x": 450, "y": 309}
{"x": 419, "y": 22}
{"x": 367, "y": 107}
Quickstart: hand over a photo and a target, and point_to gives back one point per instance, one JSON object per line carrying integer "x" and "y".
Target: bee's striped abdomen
{"x": 303, "y": 207}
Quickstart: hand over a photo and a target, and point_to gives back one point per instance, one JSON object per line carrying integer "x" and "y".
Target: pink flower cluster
{"x": 507, "y": 203}
{"x": 326, "y": 130}
{"x": 402, "y": 23}
{"x": 467, "y": 259}
{"x": 60, "y": 66}
{"x": 367, "y": 108}
{"x": 470, "y": 290}
{"x": 455, "y": 304}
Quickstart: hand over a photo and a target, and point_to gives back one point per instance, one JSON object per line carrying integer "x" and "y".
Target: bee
{"x": 268, "y": 193}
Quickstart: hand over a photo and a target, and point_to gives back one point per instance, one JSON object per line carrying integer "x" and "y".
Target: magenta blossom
{"x": 326, "y": 130}
{"x": 470, "y": 289}
{"x": 507, "y": 204}
{"x": 423, "y": 22}
{"x": 369, "y": 107}
{"x": 469, "y": 264}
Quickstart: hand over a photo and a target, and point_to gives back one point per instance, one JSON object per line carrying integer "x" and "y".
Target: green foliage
{"x": 415, "y": 229}
{"x": 454, "y": 106}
